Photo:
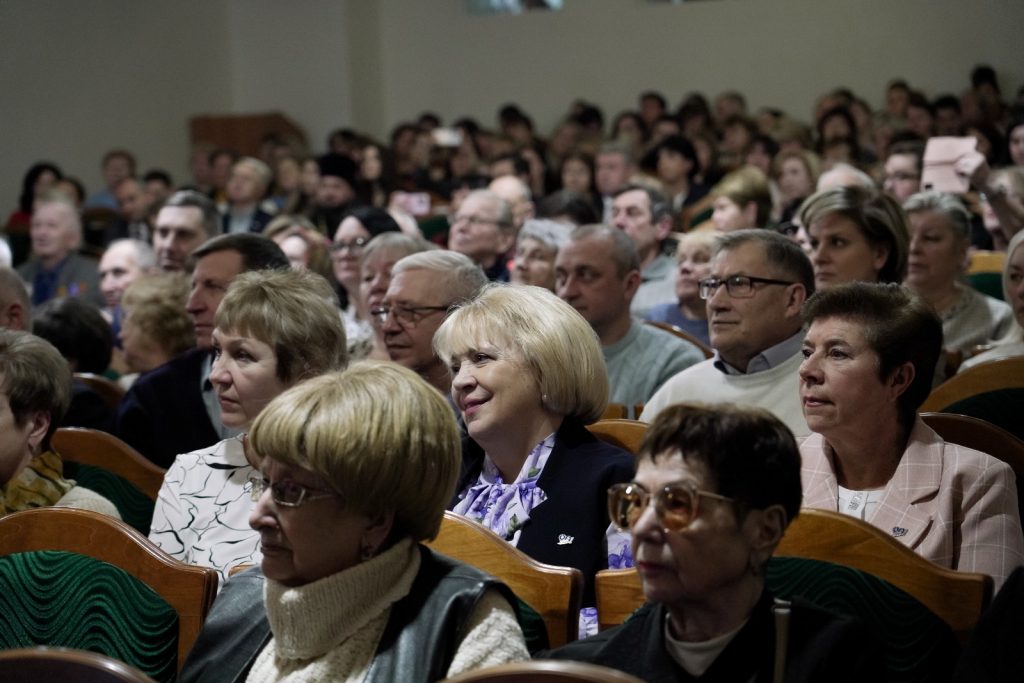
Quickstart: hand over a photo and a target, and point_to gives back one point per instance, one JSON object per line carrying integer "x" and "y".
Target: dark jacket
{"x": 163, "y": 414}
{"x": 822, "y": 647}
{"x": 576, "y": 479}
{"x": 421, "y": 637}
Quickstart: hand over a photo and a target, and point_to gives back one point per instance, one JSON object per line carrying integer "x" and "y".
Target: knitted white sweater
{"x": 328, "y": 630}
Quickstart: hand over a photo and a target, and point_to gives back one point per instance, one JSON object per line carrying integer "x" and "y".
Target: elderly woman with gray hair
{"x": 940, "y": 234}
{"x": 536, "y": 247}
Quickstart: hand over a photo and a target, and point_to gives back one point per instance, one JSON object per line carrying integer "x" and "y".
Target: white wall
{"x": 79, "y": 77}
{"x": 778, "y": 52}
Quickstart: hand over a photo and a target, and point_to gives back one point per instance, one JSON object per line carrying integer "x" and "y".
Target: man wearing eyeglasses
{"x": 482, "y": 229}
{"x": 424, "y": 286}
{"x": 759, "y": 281}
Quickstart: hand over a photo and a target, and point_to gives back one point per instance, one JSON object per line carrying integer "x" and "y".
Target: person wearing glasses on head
{"x": 759, "y": 280}
{"x": 714, "y": 490}
{"x": 354, "y": 232}
{"x": 355, "y": 469}
{"x": 273, "y": 329}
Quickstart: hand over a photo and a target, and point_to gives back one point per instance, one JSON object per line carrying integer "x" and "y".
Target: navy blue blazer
{"x": 567, "y": 529}
{"x": 163, "y": 414}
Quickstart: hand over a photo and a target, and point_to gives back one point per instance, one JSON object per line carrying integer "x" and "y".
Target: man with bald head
{"x": 55, "y": 270}
{"x": 517, "y": 195}
{"x": 483, "y": 230}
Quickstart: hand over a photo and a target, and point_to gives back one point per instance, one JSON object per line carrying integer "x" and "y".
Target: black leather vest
{"x": 419, "y": 641}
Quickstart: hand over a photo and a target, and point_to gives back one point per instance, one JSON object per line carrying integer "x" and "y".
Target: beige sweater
{"x": 328, "y": 630}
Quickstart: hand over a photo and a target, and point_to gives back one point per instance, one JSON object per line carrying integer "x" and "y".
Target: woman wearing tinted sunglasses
{"x": 714, "y": 490}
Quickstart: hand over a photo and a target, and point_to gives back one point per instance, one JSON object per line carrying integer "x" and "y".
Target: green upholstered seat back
{"x": 69, "y": 600}
{"x": 918, "y": 646}
{"x": 989, "y": 284}
{"x": 135, "y": 507}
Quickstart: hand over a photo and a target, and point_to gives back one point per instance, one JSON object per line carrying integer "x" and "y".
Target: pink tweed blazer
{"x": 952, "y": 505}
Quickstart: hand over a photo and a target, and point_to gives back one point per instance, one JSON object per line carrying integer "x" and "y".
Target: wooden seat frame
{"x": 555, "y": 593}
{"x": 190, "y": 590}
{"x": 99, "y": 449}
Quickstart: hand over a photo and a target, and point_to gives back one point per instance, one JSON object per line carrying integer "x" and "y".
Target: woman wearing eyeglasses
{"x": 856, "y": 235}
{"x": 714, "y": 490}
{"x": 869, "y": 357}
{"x": 355, "y": 470}
{"x": 273, "y": 330}
{"x": 354, "y": 233}
{"x": 527, "y": 376}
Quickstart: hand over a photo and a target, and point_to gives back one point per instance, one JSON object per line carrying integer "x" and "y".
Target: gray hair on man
{"x": 624, "y": 251}
{"x": 458, "y": 276}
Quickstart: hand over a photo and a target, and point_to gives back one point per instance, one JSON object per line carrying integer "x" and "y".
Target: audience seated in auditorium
{"x": 869, "y": 358}
{"x": 598, "y": 273}
{"x": 373, "y": 603}
{"x": 274, "y": 330}
{"x": 174, "y": 409}
{"x": 759, "y": 281}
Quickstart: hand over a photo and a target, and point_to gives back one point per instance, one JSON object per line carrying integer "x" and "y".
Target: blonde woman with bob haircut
{"x": 273, "y": 330}
{"x": 528, "y": 375}
{"x": 355, "y": 471}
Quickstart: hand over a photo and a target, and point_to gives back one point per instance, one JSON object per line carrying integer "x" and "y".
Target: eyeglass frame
{"x": 659, "y": 503}
{"x": 709, "y": 285}
{"x": 257, "y": 484}
{"x": 351, "y": 245}
{"x": 381, "y": 313}
{"x": 477, "y": 220}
